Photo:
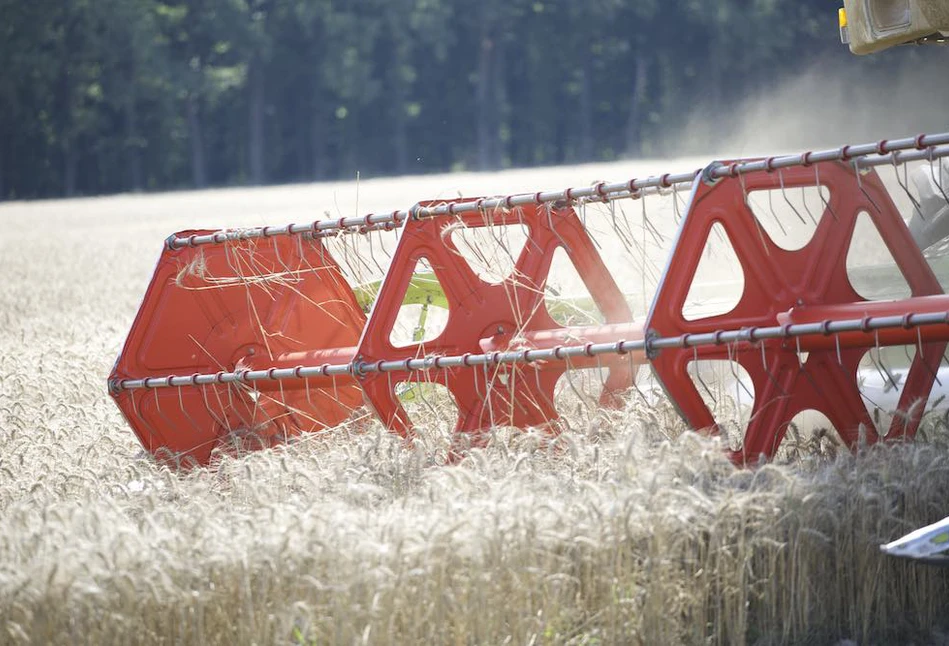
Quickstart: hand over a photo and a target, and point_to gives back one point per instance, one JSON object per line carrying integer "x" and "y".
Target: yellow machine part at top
{"x": 872, "y": 25}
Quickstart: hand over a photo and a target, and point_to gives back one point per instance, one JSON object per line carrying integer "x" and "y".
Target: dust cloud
{"x": 851, "y": 100}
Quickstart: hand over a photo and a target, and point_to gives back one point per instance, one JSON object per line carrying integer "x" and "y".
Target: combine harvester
{"x": 869, "y": 26}
{"x": 248, "y": 338}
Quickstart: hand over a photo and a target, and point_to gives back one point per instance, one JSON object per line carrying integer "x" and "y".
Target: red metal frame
{"x": 485, "y": 317}
{"x": 200, "y": 316}
{"x": 280, "y": 302}
{"x": 784, "y": 286}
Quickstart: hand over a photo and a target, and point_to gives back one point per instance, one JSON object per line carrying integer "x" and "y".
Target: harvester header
{"x": 248, "y": 338}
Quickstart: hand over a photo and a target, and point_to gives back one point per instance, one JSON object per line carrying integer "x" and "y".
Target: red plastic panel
{"x": 229, "y": 307}
{"x": 776, "y": 281}
{"x": 490, "y": 315}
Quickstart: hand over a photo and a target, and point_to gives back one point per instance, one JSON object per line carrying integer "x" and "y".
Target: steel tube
{"x": 895, "y": 310}
{"x": 590, "y": 334}
{"x": 870, "y": 154}
{"x": 808, "y": 332}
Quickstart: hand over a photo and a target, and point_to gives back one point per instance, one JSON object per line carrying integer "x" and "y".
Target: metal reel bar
{"x": 883, "y": 151}
{"x": 275, "y": 342}
{"x": 810, "y": 284}
{"x": 228, "y": 309}
{"x": 486, "y": 316}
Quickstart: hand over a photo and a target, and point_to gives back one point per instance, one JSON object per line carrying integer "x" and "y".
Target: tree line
{"x": 101, "y": 96}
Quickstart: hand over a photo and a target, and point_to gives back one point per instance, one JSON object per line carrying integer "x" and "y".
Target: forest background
{"x": 105, "y": 96}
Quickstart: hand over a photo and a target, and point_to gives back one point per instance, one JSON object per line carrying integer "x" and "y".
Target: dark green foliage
{"x": 100, "y": 96}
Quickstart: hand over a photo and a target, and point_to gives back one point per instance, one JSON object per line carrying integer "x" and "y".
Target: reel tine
{"x": 677, "y": 212}
{"x": 766, "y": 369}
{"x": 942, "y": 174}
{"x": 489, "y": 395}
{"x": 880, "y": 365}
{"x": 697, "y": 376}
{"x": 153, "y": 434}
{"x": 919, "y": 353}
{"x": 759, "y": 227}
{"x": 255, "y": 308}
{"x": 828, "y": 207}
{"x": 788, "y": 201}
{"x": 904, "y": 184}
{"x": 658, "y": 238}
{"x": 807, "y": 209}
{"x": 774, "y": 214}
{"x": 370, "y": 236}
{"x": 732, "y": 349}
{"x": 218, "y": 419}
{"x": 863, "y": 190}
{"x": 550, "y": 223}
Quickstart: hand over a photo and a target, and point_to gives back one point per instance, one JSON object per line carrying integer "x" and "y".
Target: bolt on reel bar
{"x": 248, "y": 338}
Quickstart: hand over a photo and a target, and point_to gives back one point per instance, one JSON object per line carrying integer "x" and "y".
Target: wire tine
{"x": 152, "y": 431}
{"x": 762, "y": 235}
{"x": 919, "y": 353}
{"x": 904, "y": 184}
{"x": 658, "y": 238}
{"x": 788, "y": 201}
{"x": 422, "y": 379}
{"x": 774, "y": 215}
{"x": 335, "y": 388}
{"x": 634, "y": 371}
{"x": 187, "y": 415}
{"x": 863, "y": 190}
{"x": 279, "y": 257}
{"x": 568, "y": 373}
{"x": 888, "y": 381}
{"x": 677, "y": 213}
{"x": 283, "y": 402}
{"x": 368, "y": 236}
{"x": 219, "y": 420}
{"x": 511, "y": 384}
{"x": 732, "y": 350}
{"x": 820, "y": 191}
{"x": 810, "y": 214}
{"x": 541, "y": 392}
{"x": 943, "y": 170}
{"x": 767, "y": 371}
{"x": 489, "y": 395}
{"x": 802, "y": 367}
{"x": 894, "y": 381}
{"x": 306, "y": 392}
{"x": 553, "y": 229}
{"x": 603, "y": 374}
{"x": 698, "y": 375}
{"x": 164, "y": 416}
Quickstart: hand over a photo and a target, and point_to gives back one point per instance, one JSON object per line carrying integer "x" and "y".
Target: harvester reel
{"x": 248, "y": 338}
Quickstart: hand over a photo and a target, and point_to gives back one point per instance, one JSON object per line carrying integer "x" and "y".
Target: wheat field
{"x": 623, "y": 530}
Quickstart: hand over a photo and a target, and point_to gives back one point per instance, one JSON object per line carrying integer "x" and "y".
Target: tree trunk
{"x": 4, "y": 145}
{"x": 199, "y": 171}
{"x": 585, "y": 113}
{"x": 70, "y": 160}
{"x": 637, "y": 101}
{"x": 498, "y": 107}
{"x": 318, "y": 144}
{"x": 132, "y": 147}
{"x": 256, "y": 133}
{"x": 66, "y": 135}
{"x": 483, "y": 96}
{"x": 716, "y": 68}
{"x": 300, "y": 144}
{"x": 400, "y": 137}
